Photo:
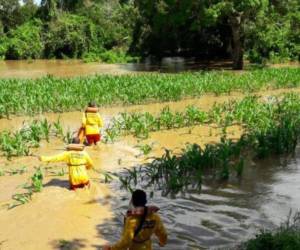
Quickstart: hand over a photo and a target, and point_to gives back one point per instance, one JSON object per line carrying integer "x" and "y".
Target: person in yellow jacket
{"x": 141, "y": 223}
{"x": 92, "y": 123}
{"x": 78, "y": 161}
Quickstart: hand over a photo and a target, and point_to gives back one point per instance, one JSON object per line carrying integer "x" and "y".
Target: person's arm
{"x": 89, "y": 161}
{"x": 56, "y": 158}
{"x": 160, "y": 231}
{"x": 127, "y": 235}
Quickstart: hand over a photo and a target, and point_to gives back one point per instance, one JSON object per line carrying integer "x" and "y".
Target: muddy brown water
{"x": 225, "y": 214}
{"x": 71, "y": 68}
{"x": 220, "y": 216}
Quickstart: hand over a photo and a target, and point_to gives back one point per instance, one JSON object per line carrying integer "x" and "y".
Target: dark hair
{"x": 75, "y": 140}
{"x": 92, "y": 104}
{"x": 139, "y": 198}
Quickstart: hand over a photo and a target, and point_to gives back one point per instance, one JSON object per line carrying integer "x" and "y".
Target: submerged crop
{"x": 270, "y": 128}
{"x": 20, "y": 142}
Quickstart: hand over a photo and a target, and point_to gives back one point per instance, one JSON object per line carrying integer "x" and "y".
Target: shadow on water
{"x": 223, "y": 214}
{"x": 177, "y": 64}
{"x": 75, "y": 244}
{"x": 58, "y": 183}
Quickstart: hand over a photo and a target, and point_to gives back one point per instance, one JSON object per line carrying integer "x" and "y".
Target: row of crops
{"x": 270, "y": 128}
{"x": 20, "y": 142}
{"x": 250, "y": 113}
{"x": 51, "y": 94}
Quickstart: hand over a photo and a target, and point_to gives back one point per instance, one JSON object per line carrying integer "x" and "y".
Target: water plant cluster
{"x": 270, "y": 128}
{"x": 20, "y": 142}
{"x": 35, "y": 186}
{"x": 141, "y": 124}
{"x": 286, "y": 236}
{"x": 51, "y": 94}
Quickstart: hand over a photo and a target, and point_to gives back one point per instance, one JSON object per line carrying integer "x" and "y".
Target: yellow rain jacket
{"x": 152, "y": 225}
{"x": 92, "y": 122}
{"x": 78, "y": 162}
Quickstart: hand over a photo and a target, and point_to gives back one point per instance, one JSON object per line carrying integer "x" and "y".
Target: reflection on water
{"x": 226, "y": 214}
{"x": 69, "y": 68}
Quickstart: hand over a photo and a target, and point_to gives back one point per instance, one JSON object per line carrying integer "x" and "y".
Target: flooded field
{"x": 71, "y": 68}
{"x": 223, "y": 214}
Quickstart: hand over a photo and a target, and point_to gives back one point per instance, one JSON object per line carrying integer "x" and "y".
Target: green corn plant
{"x": 68, "y": 136}
{"x": 58, "y": 129}
{"x": 46, "y": 129}
{"x": 20, "y": 142}
{"x": 111, "y": 134}
{"x": 146, "y": 148}
{"x": 37, "y": 180}
{"x": 20, "y": 199}
{"x": 133, "y": 89}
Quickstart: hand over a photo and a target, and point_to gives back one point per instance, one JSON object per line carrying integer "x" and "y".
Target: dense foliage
{"x": 120, "y": 31}
{"x": 57, "y": 95}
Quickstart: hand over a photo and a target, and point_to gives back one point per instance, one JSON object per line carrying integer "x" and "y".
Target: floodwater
{"x": 223, "y": 215}
{"x": 220, "y": 216}
{"x": 70, "y": 68}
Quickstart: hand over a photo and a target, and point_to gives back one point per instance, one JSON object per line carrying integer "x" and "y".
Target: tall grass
{"x": 57, "y": 95}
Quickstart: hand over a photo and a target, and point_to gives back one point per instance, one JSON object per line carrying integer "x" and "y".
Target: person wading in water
{"x": 78, "y": 161}
{"x": 141, "y": 223}
{"x": 91, "y": 125}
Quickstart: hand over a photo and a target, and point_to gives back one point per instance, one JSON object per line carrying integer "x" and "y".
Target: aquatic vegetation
{"x": 141, "y": 124}
{"x": 35, "y": 186}
{"x": 20, "y": 142}
{"x": 132, "y": 89}
{"x": 269, "y": 129}
{"x": 145, "y": 148}
{"x": 287, "y": 236}
{"x": 37, "y": 180}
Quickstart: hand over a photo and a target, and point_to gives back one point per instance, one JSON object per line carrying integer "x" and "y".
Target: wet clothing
{"x": 74, "y": 187}
{"x": 142, "y": 241}
{"x": 92, "y": 122}
{"x": 93, "y": 139}
{"x": 78, "y": 162}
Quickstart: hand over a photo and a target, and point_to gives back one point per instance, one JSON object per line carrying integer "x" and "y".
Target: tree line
{"x": 127, "y": 30}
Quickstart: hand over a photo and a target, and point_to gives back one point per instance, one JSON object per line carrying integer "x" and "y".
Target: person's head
{"x": 139, "y": 198}
{"x": 75, "y": 140}
{"x": 92, "y": 104}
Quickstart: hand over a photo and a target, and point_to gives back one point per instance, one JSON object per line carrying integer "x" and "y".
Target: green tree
{"x": 25, "y": 41}
{"x": 9, "y": 14}
{"x": 237, "y": 13}
{"x": 49, "y": 9}
{"x": 275, "y": 35}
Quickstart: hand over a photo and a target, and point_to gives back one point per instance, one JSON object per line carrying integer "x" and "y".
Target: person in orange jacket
{"x": 141, "y": 223}
{"x": 92, "y": 123}
{"x": 78, "y": 161}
